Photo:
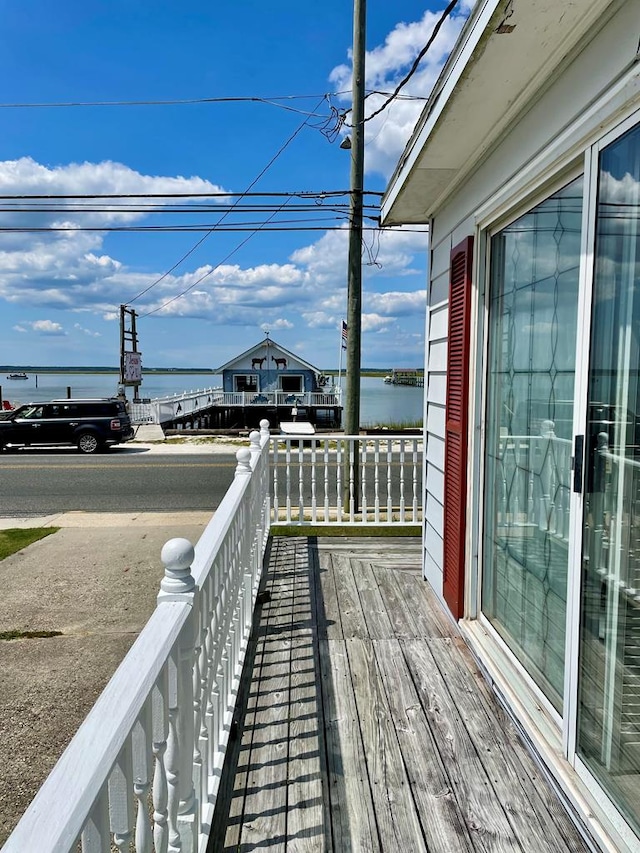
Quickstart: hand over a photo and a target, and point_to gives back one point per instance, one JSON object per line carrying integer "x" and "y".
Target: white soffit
{"x": 505, "y": 54}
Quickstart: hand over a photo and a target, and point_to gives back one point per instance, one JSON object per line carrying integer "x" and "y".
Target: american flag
{"x": 344, "y": 335}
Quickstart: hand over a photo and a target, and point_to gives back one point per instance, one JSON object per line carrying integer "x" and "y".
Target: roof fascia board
{"x": 462, "y": 52}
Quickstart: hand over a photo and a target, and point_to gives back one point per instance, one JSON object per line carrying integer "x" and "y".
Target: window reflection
{"x": 529, "y": 420}
{"x": 609, "y": 689}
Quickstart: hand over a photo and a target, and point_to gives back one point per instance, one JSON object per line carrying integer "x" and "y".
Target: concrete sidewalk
{"x": 95, "y": 580}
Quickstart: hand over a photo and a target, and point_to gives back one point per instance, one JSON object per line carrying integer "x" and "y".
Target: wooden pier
{"x": 405, "y": 377}
{"x": 364, "y": 724}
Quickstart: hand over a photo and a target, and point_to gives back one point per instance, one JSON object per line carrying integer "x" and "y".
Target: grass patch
{"x": 16, "y": 538}
{"x": 28, "y": 635}
{"x": 375, "y": 530}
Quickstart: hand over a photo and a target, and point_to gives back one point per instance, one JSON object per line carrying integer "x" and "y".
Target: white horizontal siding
{"x": 438, "y": 323}
{"x": 439, "y": 292}
{"x": 435, "y": 451}
{"x": 437, "y": 388}
{"x": 438, "y": 357}
{"x": 436, "y": 419}
{"x": 435, "y": 483}
{"x": 433, "y": 545}
{"x": 434, "y": 513}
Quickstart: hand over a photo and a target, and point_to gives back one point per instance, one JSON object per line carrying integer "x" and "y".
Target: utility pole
{"x": 354, "y": 277}
{"x": 130, "y": 357}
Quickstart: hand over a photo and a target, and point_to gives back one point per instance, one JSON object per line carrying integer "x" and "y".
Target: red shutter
{"x": 456, "y": 437}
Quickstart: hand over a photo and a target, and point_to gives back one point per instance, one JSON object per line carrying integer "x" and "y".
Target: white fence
{"x": 349, "y": 479}
{"x": 143, "y": 771}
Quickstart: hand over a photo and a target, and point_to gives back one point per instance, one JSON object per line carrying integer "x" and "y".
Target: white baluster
{"x": 352, "y": 501}
{"x": 389, "y": 493}
{"x": 204, "y": 691}
{"x": 159, "y": 714}
{"x": 96, "y": 836}
{"x": 120, "y": 799}
{"x": 300, "y": 480}
{"x": 142, "y": 772}
{"x": 178, "y": 585}
{"x": 172, "y": 758}
{"x": 402, "y": 498}
{"x": 288, "y": 479}
{"x": 275, "y": 480}
{"x": 339, "y": 446}
{"x": 326, "y": 478}
{"x": 414, "y": 502}
{"x": 314, "y": 499}
{"x": 363, "y": 479}
{"x": 376, "y": 481}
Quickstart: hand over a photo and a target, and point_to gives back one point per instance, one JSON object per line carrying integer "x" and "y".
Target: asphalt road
{"x": 41, "y": 482}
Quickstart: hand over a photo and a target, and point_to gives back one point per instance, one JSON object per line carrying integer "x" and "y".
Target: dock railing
{"x": 169, "y": 408}
{"x": 143, "y": 771}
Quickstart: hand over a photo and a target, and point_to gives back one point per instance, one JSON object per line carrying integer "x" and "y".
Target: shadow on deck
{"x": 363, "y": 723}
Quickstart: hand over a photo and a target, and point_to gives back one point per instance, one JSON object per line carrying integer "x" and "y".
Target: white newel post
{"x": 178, "y": 585}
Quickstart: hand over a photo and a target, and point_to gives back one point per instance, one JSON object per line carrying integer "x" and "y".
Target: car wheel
{"x": 88, "y": 443}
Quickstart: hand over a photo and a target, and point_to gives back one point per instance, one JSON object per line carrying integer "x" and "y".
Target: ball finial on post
{"x": 243, "y": 457}
{"x": 254, "y": 438}
{"x": 177, "y": 556}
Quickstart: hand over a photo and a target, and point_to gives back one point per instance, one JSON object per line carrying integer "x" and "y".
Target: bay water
{"x": 380, "y": 403}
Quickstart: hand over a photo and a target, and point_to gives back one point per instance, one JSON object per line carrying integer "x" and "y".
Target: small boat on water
{"x": 21, "y": 375}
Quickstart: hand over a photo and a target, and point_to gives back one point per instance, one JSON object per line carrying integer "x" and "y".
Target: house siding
{"x": 600, "y": 63}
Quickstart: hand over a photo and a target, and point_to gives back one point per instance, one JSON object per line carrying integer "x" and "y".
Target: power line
{"x": 224, "y": 215}
{"x": 219, "y": 264}
{"x": 394, "y": 95}
{"x": 170, "y": 102}
{"x": 205, "y": 236}
{"x": 292, "y": 194}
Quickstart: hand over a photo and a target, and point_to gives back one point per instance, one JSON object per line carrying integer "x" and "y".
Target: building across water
{"x": 265, "y": 381}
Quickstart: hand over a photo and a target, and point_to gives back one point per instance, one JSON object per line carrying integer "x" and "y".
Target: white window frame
{"x": 573, "y": 152}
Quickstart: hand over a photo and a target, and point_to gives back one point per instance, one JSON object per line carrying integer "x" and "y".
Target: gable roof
{"x": 506, "y": 53}
{"x": 275, "y": 347}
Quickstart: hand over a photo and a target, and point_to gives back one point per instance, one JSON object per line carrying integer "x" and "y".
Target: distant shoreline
{"x": 157, "y": 371}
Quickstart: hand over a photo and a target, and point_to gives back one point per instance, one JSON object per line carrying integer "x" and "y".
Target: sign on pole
{"x": 132, "y": 368}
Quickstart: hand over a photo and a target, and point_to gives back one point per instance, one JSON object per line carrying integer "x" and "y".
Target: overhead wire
{"x": 243, "y": 242}
{"x": 227, "y": 257}
{"x": 205, "y": 236}
{"x": 394, "y": 95}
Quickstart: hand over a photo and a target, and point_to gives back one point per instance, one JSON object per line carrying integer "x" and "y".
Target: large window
{"x": 609, "y": 676}
{"x": 532, "y": 300}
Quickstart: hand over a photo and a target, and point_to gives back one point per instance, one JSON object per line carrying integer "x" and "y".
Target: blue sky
{"x": 60, "y": 290}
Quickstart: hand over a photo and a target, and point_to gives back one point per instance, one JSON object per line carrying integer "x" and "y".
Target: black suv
{"x": 92, "y": 425}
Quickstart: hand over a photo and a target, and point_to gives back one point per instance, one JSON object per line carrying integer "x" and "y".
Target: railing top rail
{"x": 338, "y": 435}
{"x": 85, "y": 765}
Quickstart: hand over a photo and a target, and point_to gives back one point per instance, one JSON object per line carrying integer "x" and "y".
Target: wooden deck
{"x": 364, "y": 724}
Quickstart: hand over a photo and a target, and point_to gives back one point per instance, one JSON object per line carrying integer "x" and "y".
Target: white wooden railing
{"x": 534, "y": 483}
{"x": 143, "y": 770}
{"x": 349, "y": 479}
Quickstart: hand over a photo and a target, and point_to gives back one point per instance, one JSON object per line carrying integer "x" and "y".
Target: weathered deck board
{"x": 367, "y": 726}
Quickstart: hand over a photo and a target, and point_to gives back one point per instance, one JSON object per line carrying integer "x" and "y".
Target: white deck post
{"x": 178, "y": 585}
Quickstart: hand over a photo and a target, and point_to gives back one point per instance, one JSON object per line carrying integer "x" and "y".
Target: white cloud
{"x": 73, "y": 270}
{"x": 385, "y": 66}
{"x": 42, "y": 327}
{"x": 19, "y": 329}
{"x": 88, "y": 332}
